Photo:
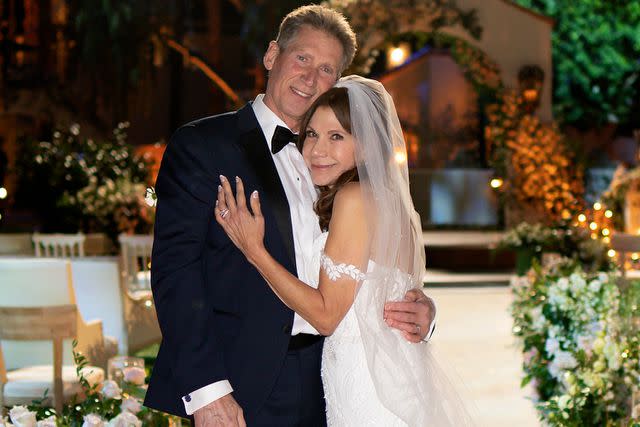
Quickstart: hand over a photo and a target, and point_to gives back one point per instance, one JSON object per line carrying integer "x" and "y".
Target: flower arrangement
{"x": 541, "y": 179}
{"x": 566, "y": 239}
{"x": 101, "y": 405}
{"x": 90, "y": 184}
{"x": 115, "y": 205}
{"x": 580, "y": 339}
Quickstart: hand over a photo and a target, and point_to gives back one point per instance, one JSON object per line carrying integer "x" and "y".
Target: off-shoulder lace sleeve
{"x": 335, "y": 271}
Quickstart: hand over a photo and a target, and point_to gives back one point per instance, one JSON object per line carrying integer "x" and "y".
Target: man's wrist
{"x": 203, "y": 396}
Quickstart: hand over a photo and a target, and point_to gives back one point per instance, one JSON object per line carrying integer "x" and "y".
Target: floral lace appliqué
{"x": 336, "y": 271}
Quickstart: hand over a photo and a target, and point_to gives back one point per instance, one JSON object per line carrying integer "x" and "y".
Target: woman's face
{"x": 329, "y": 150}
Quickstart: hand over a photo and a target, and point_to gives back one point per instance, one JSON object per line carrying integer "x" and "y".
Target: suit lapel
{"x": 254, "y": 146}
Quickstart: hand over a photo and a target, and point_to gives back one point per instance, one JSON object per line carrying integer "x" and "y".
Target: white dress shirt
{"x": 302, "y": 195}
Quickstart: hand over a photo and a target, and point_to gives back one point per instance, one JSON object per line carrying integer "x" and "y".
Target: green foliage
{"x": 54, "y": 173}
{"x": 596, "y": 57}
{"x": 579, "y": 336}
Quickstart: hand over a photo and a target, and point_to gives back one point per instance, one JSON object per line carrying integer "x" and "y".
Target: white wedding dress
{"x": 349, "y": 389}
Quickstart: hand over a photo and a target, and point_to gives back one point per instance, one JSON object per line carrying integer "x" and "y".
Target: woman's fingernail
{"x": 237, "y": 179}
{"x": 219, "y": 187}
{"x": 222, "y": 178}
{"x": 217, "y": 203}
{"x": 255, "y": 194}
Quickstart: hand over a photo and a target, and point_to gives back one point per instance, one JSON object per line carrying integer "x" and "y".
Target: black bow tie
{"x": 281, "y": 137}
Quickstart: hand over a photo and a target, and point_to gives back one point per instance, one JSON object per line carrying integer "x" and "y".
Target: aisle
{"x": 473, "y": 334}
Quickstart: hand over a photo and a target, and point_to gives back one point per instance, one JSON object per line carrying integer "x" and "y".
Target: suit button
{"x": 187, "y": 398}
{"x": 286, "y": 329}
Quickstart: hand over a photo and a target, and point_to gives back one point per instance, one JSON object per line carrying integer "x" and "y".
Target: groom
{"x": 232, "y": 352}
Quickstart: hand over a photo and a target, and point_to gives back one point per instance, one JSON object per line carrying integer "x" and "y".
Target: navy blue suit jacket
{"x": 219, "y": 319}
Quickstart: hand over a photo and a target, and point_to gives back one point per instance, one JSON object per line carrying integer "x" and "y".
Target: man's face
{"x": 298, "y": 75}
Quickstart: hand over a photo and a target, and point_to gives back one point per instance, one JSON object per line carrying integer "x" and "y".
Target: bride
{"x": 371, "y": 251}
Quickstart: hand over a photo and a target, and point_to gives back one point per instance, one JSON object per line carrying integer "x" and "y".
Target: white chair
{"x": 140, "y": 313}
{"x": 30, "y": 282}
{"x": 59, "y": 245}
{"x": 98, "y": 294}
{"x": 16, "y": 244}
{"x": 23, "y": 385}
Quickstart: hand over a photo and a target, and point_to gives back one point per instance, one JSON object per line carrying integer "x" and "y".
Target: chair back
{"x": 54, "y": 323}
{"x": 59, "y": 245}
{"x": 29, "y": 282}
{"x": 98, "y": 293}
{"x": 135, "y": 255}
{"x": 38, "y": 323}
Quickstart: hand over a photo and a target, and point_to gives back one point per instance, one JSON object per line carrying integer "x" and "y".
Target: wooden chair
{"x": 54, "y": 323}
{"x": 59, "y": 245}
{"x": 140, "y": 313}
{"x": 31, "y": 282}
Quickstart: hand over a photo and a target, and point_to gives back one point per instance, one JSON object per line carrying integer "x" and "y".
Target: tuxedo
{"x": 218, "y": 317}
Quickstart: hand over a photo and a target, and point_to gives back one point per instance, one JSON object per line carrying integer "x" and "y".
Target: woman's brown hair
{"x": 337, "y": 99}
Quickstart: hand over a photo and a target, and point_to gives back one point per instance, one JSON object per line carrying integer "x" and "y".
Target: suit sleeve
{"x": 186, "y": 188}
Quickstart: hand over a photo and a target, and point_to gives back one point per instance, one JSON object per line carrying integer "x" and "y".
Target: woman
{"x": 371, "y": 251}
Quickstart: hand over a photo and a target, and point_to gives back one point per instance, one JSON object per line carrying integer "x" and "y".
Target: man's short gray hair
{"x": 320, "y": 18}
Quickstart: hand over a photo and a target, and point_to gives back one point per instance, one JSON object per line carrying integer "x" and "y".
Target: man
{"x": 231, "y": 350}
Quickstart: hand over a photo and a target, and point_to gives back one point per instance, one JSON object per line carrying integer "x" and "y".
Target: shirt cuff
{"x": 205, "y": 395}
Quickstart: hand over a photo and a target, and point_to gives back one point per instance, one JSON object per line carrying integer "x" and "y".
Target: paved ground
{"x": 474, "y": 336}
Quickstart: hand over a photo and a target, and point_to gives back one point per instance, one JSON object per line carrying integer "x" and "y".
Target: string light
{"x": 582, "y": 217}
{"x": 608, "y": 213}
{"x": 3, "y": 193}
{"x": 611, "y": 253}
{"x": 496, "y": 183}
{"x": 605, "y": 231}
{"x": 597, "y": 206}
{"x": 593, "y": 226}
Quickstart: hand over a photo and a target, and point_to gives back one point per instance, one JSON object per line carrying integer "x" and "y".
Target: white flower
{"x": 22, "y": 417}
{"x": 595, "y": 286}
{"x": 562, "y": 361}
{"x": 47, "y": 422}
{"x": 551, "y": 346}
{"x": 612, "y": 354}
{"x": 110, "y": 390}
{"x": 563, "y": 283}
{"x": 93, "y": 420}
{"x": 131, "y": 404}
{"x": 134, "y": 375}
{"x": 563, "y": 401}
{"x": 125, "y": 419}
{"x": 150, "y": 197}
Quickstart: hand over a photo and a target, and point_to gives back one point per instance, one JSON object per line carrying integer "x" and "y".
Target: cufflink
{"x": 187, "y": 398}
